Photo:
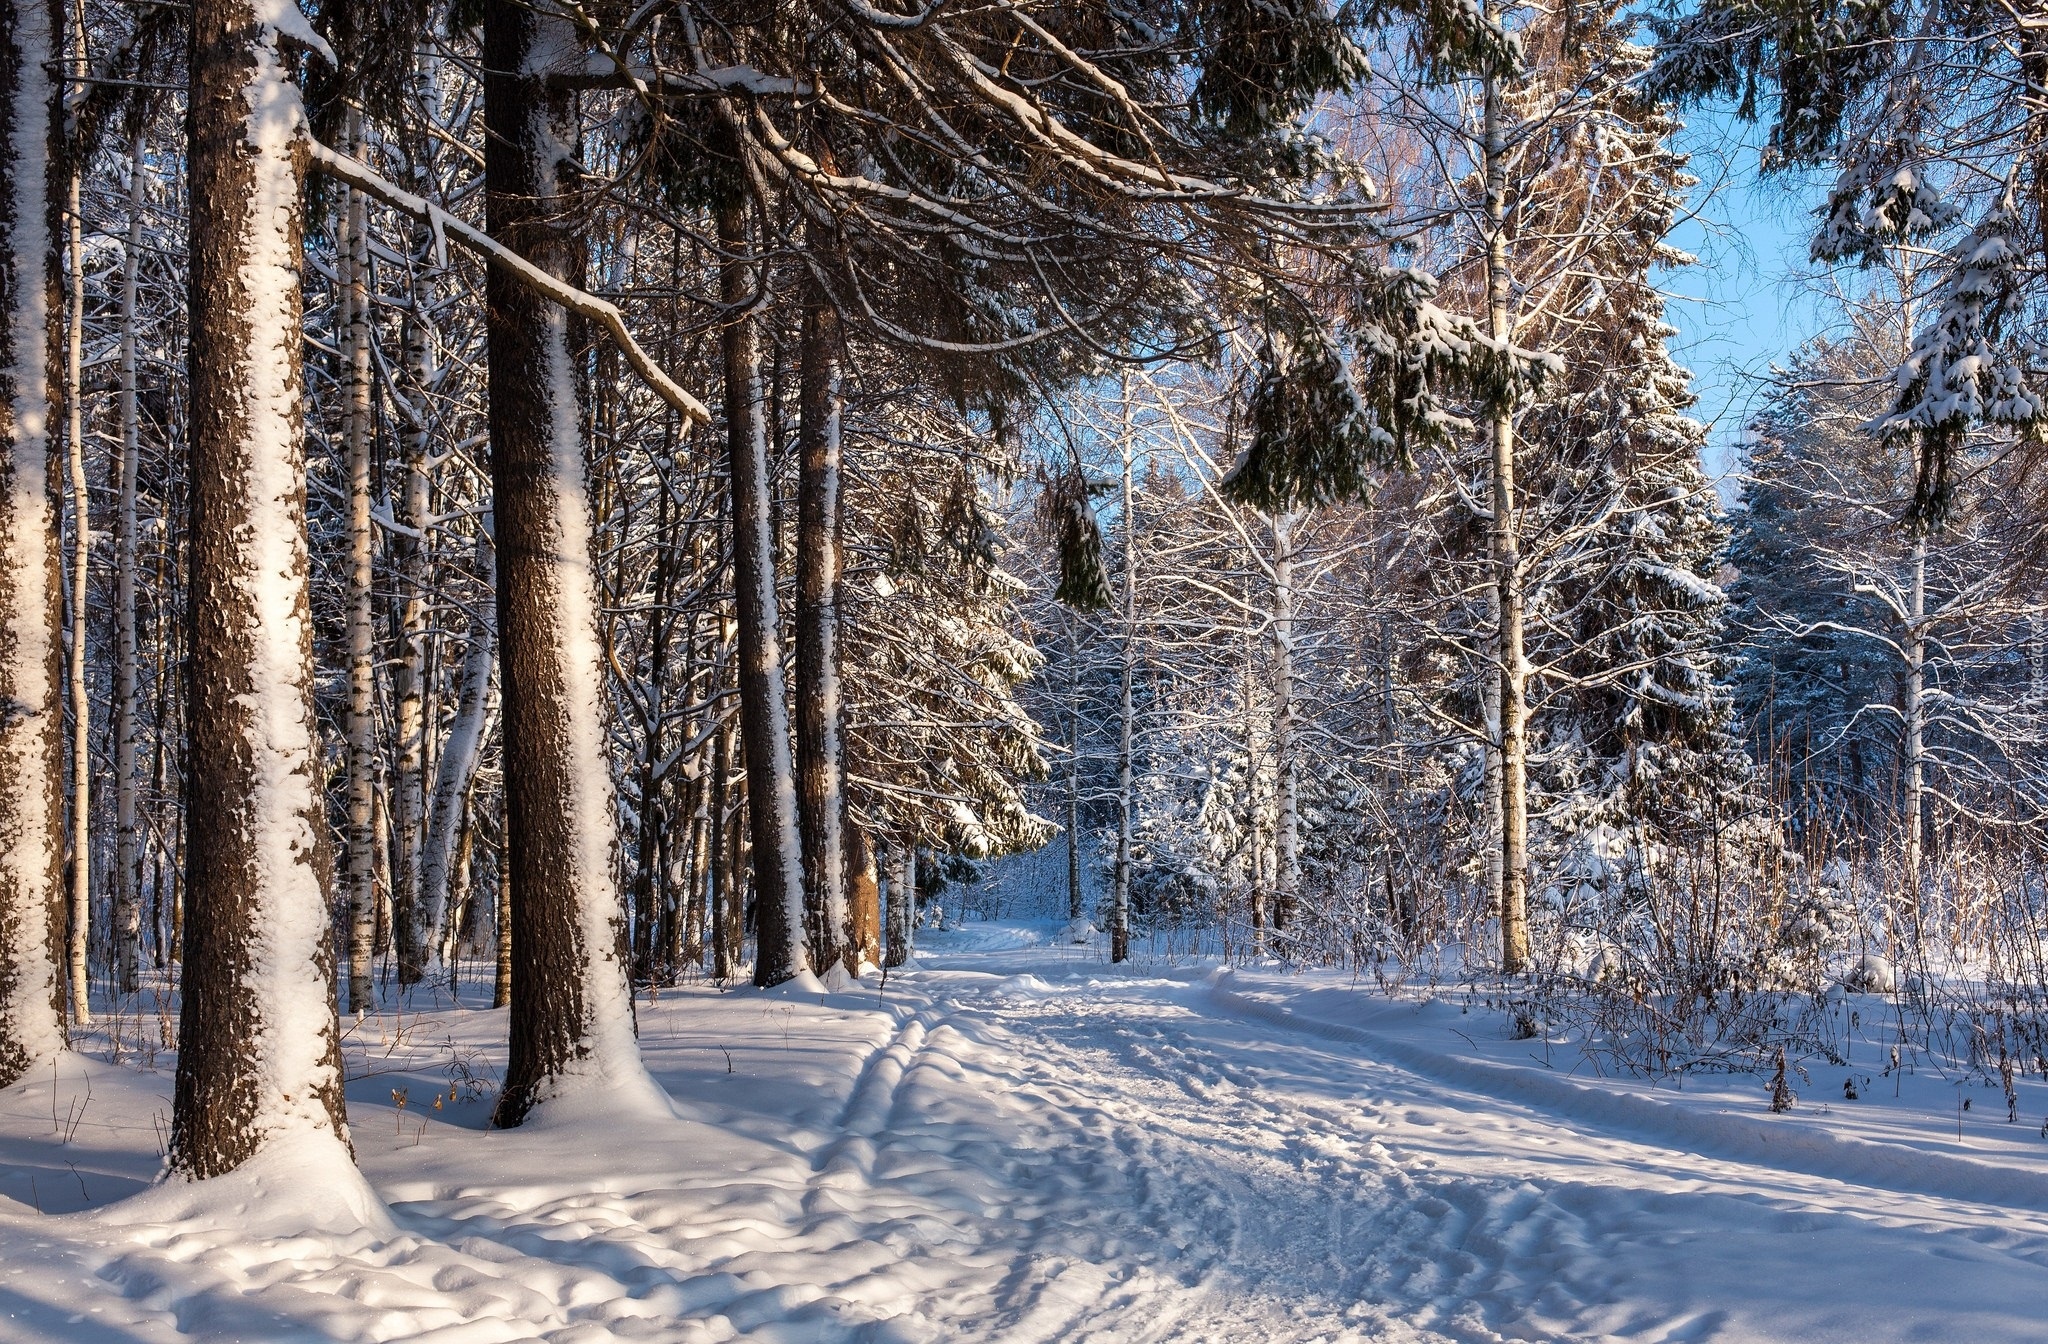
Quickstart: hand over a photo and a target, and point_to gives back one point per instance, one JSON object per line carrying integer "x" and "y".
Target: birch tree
{"x": 32, "y": 1030}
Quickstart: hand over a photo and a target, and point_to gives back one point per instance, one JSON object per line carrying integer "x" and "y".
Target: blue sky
{"x": 1746, "y": 303}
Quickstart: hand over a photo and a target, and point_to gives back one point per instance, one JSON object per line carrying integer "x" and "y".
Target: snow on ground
{"x": 1014, "y": 1141}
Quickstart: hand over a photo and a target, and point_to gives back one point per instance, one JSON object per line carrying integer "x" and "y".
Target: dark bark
{"x": 776, "y": 862}
{"x": 257, "y": 925}
{"x": 546, "y": 585}
{"x": 863, "y": 900}
{"x": 820, "y": 727}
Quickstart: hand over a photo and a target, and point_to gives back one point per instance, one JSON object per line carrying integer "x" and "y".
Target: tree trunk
{"x": 418, "y": 917}
{"x": 1916, "y": 730}
{"x": 127, "y": 655}
{"x": 696, "y": 878}
{"x": 259, "y": 1048}
{"x": 32, "y": 1028}
{"x": 459, "y": 758}
{"x": 1505, "y": 539}
{"x": 902, "y": 903}
{"x": 863, "y": 900}
{"x": 777, "y": 864}
{"x": 501, "y": 982}
{"x": 1255, "y": 845}
{"x": 359, "y": 877}
{"x": 80, "y": 888}
{"x": 1287, "y": 878}
{"x": 572, "y": 1008}
{"x": 725, "y": 951}
{"x": 820, "y": 729}
{"x": 1120, "y": 907}
{"x": 1074, "y": 899}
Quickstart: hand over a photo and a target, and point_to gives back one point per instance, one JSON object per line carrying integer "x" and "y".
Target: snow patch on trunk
{"x": 611, "y": 1059}
{"x": 286, "y": 973}
{"x": 27, "y": 865}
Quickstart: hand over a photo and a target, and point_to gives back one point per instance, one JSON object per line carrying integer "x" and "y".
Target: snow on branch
{"x": 345, "y": 169}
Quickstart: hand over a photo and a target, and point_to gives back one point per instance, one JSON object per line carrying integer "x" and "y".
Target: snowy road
{"x": 1018, "y": 1145}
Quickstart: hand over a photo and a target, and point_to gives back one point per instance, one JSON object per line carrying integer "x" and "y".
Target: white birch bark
{"x": 1506, "y": 555}
{"x": 1916, "y": 729}
{"x": 1120, "y": 896}
{"x": 447, "y": 818}
{"x": 81, "y": 557}
{"x": 32, "y": 1029}
{"x": 360, "y": 873}
{"x": 1287, "y": 886}
{"x": 127, "y": 656}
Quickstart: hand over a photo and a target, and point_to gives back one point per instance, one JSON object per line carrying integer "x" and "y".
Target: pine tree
{"x": 259, "y": 1059}
{"x": 572, "y": 1010}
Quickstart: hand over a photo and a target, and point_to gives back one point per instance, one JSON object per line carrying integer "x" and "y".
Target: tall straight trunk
{"x": 127, "y": 654}
{"x": 820, "y": 728}
{"x": 1120, "y": 907}
{"x": 414, "y": 924}
{"x": 1255, "y": 847}
{"x": 259, "y": 1055}
{"x": 32, "y": 1028}
{"x": 724, "y": 946}
{"x": 1074, "y": 902}
{"x": 359, "y": 876}
{"x": 651, "y": 929}
{"x": 418, "y": 917}
{"x": 80, "y": 890}
{"x": 1916, "y": 727}
{"x": 501, "y": 982}
{"x": 456, "y": 770}
{"x": 902, "y": 903}
{"x": 777, "y": 861}
{"x": 1505, "y": 544}
{"x": 572, "y": 1006}
{"x": 863, "y": 899}
{"x": 1287, "y": 876}
{"x": 694, "y": 887}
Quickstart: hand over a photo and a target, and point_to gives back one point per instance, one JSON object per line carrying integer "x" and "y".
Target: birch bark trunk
{"x": 902, "y": 903}
{"x": 1916, "y": 729}
{"x": 1505, "y": 544}
{"x": 418, "y": 919}
{"x": 32, "y": 1027}
{"x": 449, "y": 812}
{"x": 1120, "y": 906}
{"x": 360, "y": 874}
{"x": 1287, "y": 878}
{"x": 127, "y": 655}
{"x": 80, "y": 887}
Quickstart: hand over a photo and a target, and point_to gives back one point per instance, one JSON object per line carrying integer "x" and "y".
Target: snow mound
{"x": 298, "y": 1183}
{"x": 1080, "y": 932}
{"x": 804, "y": 984}
{"x": 1872, "y": 974}
{"x": 1026, "y": 985}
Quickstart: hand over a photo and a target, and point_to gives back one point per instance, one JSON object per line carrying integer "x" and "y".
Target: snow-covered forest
{"x": 912, "y": 670}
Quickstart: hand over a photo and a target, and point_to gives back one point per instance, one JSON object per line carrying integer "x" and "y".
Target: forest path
{"x": 1012, "y": 1142}
{"x": 1293, "y": 1176}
